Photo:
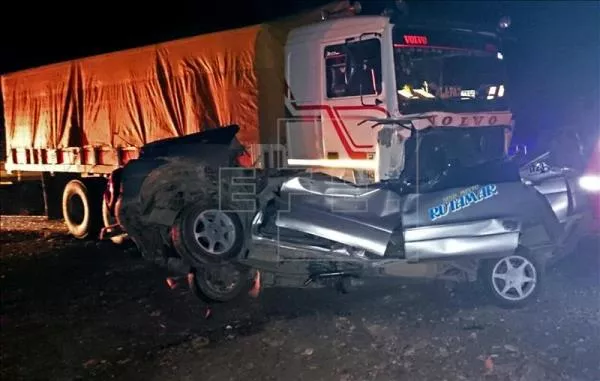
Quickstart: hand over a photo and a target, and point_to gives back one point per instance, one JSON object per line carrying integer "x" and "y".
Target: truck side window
{"x": 354, "y": 69}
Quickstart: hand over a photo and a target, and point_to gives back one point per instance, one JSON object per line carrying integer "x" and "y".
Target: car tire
{"x": 220, "y": 283}
{"x": 513, "y": 281}
{"x": 206, "y": 236}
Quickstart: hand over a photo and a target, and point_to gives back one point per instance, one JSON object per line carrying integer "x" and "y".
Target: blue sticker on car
{"x": 462, "y": 200}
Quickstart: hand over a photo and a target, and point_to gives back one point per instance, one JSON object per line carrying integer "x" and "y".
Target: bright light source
{"x": 504, "y": 22}
{"x": 500, "y": 56}
{"x": 590, "y": 183}
{"x": 501, "y": 91}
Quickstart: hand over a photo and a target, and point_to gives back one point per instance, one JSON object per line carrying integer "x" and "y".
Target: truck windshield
{"x": 448, "y": 71}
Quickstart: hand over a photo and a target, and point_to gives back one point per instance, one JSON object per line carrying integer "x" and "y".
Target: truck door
{"x": 353, "y": 92}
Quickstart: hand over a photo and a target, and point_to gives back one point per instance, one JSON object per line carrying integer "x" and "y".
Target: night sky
{"x": 554, "y": 64}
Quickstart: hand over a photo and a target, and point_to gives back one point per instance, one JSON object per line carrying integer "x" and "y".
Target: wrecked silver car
{"x": 459, "y": 211}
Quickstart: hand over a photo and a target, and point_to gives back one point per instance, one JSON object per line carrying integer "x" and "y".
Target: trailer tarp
{"x": 137, "y": 96}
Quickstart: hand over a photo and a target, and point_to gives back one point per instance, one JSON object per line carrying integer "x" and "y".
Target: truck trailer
{"x": 302, "y": 90}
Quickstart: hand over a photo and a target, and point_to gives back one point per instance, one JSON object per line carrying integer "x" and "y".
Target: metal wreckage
{"x": 187, "y": 205}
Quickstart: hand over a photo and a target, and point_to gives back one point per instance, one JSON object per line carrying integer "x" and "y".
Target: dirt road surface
{"x": 74, "y": 310}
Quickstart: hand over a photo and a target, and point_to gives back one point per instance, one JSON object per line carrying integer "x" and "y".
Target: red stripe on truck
{"x": 338, "y": 124}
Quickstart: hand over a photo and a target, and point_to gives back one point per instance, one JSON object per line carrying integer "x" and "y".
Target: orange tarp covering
{"x": 137, "y": 96}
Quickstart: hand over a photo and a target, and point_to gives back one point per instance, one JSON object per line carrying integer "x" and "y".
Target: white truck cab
{"x": 344, "y": 71}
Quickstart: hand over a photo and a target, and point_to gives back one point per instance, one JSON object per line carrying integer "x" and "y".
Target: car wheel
{"x": 514, "y": 280}
{"x": 220, "y": 283}
{"x": 208, "y": 236}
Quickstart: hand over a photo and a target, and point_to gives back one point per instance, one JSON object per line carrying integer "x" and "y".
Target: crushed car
{"x": 457, "y": 210}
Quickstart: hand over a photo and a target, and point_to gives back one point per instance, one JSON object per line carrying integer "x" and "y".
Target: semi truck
{"x": 300, "y": 88}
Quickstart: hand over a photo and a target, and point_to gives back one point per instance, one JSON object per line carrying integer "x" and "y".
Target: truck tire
{"x": 81, "y": 210}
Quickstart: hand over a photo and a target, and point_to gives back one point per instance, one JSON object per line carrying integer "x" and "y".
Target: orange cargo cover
{"x": 136, "y": 96}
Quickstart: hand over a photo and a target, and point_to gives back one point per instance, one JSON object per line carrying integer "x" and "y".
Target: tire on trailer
{"x": 81, "y": 209}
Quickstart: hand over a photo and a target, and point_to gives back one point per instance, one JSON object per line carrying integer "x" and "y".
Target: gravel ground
{"x": 74, "y": 310}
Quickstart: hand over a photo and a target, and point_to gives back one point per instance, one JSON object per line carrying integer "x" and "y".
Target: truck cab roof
{"x": 336, "y": 28}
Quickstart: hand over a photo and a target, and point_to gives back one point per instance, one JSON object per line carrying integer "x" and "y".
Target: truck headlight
{"x": 590, "y": 183}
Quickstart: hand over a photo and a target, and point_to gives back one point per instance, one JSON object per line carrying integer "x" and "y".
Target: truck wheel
{"x": 208, "y": 236}
{"x": 220, "y": 283}
{"x": 514, "y": 280}
{"x": 80, "y": 212}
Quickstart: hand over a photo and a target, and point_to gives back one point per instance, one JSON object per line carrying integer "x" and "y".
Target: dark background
{"x": 554, "y": 63}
